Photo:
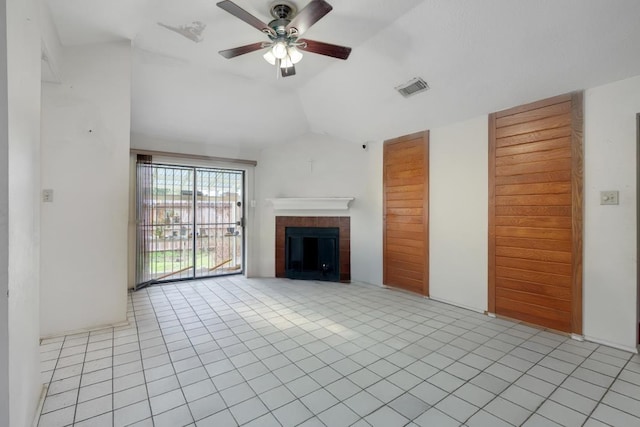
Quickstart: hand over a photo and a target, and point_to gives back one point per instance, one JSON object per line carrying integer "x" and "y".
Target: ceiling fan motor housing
{"x": 283, "y": 14}
{"x": 279, "y": 26}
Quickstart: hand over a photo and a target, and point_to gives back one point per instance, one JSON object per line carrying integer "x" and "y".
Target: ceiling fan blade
{"x": 322, "y": 48}
{"x": 308, "y": 16}
{"x": 242, "y": 14}
{"x": 289, "y": 71}
{"x": 241, "y": 50}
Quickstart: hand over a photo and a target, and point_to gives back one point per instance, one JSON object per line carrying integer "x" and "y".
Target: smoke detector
{"x": 412, "y": 87}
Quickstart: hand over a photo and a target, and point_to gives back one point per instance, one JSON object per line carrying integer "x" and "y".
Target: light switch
{"x": 609, "y": 198}
{"x": 47, "y": 196}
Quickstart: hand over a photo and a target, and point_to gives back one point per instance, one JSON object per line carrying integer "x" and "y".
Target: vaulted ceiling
{"x": 477, "y": 56}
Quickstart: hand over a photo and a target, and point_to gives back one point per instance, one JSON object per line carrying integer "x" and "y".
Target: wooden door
{"x": 406, "y": 213}
{"x": 535, "y": 213}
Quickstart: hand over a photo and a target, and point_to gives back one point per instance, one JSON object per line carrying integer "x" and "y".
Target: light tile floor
{"x": 269, "y": 352}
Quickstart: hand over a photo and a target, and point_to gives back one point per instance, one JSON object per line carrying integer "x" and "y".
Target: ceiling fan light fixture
{"x": 269, "y": 57}
{"x": 295, "y": 54}
{"x": 286, "y": 62}
{"x": 279, "y": 50}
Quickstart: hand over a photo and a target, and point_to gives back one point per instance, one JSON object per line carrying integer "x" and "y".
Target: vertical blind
{"x": 189, "y": 222}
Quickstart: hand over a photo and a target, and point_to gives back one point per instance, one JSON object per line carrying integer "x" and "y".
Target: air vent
{"x": 413, "y": 86}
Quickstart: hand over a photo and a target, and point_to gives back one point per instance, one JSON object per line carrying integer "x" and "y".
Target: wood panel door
{"x": 406, "y": 213}
{"x": 535, "y": 213}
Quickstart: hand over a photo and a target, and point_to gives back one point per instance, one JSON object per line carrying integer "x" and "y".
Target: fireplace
{"x": 318, "y": 248}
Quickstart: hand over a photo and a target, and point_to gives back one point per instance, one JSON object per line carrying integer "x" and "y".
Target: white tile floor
{"x": 270, "y": 352}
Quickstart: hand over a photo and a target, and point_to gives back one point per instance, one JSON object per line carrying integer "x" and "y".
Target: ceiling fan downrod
{"x": 283, "y": 10}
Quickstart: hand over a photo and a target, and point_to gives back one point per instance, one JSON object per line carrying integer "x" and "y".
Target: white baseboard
{"x": 85, "y": 330}
{"x": 577, "y": 337}
{"x": 43, "y": 394}
{"x": 368, "y": 284}
{"x": 455, "y": 304}
{"x": 611, "y": 344}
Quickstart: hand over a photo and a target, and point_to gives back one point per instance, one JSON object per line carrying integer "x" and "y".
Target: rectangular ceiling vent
{"x": 413, "y": 86}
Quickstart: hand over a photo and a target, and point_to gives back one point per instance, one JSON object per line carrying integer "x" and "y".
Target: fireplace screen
{"x": 312, "y": 253}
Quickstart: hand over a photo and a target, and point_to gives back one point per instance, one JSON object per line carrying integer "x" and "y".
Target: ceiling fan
{"x": 284, "y": 32}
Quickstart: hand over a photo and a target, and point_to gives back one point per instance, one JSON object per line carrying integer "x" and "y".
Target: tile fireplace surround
{"x": 342, "y": 222}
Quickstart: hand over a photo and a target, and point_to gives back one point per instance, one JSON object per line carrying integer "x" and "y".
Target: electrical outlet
{"x": 47, "y": 196}
{"x": 609, "y": 198}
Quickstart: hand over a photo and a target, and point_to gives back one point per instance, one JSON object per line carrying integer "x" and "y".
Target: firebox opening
{"x": 312, "y": 253}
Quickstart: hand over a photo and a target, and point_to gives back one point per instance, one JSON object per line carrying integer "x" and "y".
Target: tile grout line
{"x": 247, "y": 310}
{"x": 324, "y": 387}
{"x": 51, "y": 379}
{"x": 249, "y": 350}
{"x": 511, "y": 383}
{"x": 443, "y": 369}
{"x": 113, "y": 367}
{"x": 113, "y": 360}
{"x": 298, "y": 398}
{"x": 194, "y": 350}
{"x": 599, "y": 402}
{"x": 227, "y": 407}
{"x": 559, "y": 385}
{"x": 84, "y": 357}
{"x": 400, "y": 368}
{"x": 144, "y": 376}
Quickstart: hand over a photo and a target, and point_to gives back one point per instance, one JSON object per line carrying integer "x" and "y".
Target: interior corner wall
{"x": 458, "y": 213}
{"x": 322, "y": 166}
{"x": 85, "y": 161}
{"x": 610, "y": 232}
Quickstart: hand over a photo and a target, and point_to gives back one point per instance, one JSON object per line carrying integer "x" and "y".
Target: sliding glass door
{"x": 190, "y": 222}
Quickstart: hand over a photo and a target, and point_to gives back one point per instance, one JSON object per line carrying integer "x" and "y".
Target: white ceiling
{"x": 477, "y": 55}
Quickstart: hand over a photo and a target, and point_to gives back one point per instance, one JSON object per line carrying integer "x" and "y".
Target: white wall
{"x": 85, "y": 160}
{"x": 610, "y": 258}
{"x": 23, "y": 170}
{"x": 153, "y": 143}
{"x": 4, "y": 221}
{"x": 51, "y": 46}
{"x": 458, "y": 213}
{"x": 322, "y": 166}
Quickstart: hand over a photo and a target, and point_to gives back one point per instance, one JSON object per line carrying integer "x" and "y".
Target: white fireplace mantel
{"x": 311, "y": 203}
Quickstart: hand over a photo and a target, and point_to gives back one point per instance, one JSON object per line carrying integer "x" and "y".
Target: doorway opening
{"x": 190, "y": 222}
